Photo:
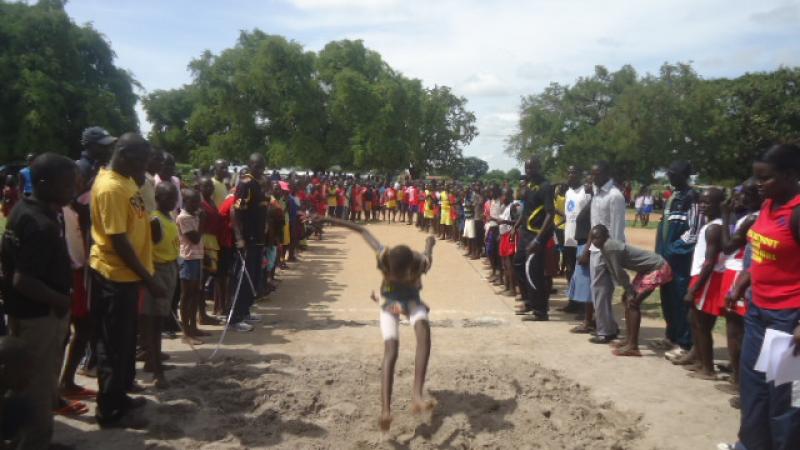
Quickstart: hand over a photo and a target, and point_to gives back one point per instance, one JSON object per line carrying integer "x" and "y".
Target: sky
{"x": 491, "y": 52}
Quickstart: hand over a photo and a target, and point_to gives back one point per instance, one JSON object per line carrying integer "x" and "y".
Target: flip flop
{"x": 80, "y": 393}
{"x": 73, "y": 409}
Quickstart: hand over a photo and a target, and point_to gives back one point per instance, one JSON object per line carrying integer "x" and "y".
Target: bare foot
{"x": 423, "y": 405}
{"x": 620, "y": 344}
{"x": 191, "y": 340}
{"x": 627, "y": 351}
{"x": 200, "y": 333}
{"x": 703, "y": 375}
{"x": 385, "y": 421}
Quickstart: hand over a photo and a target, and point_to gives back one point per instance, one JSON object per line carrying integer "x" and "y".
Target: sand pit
{"x": 329, "y": 404}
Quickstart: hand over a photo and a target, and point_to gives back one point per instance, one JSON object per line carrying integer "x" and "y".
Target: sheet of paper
{"x": 777, "y": 360}
{"x": 788, "y": 369}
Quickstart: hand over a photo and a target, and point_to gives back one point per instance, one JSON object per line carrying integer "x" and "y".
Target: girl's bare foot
{"x": 200, "y": 333}
{"x": 385, "y": 421}
{"x": 422, "y": 405}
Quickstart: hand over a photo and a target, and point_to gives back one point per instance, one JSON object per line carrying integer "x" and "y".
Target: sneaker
{"x": 674, "y": 354}
{"x": 242, "y": 327}
{"x": 252, "y": 319}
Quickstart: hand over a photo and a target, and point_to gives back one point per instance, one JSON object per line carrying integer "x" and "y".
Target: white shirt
{"x": 608, "y": 208}
{"x": 648, "y": 200}
{"x": 574, "y": 202}
{"x": 495, "y": 210}
{"x": 699, "y": 256}
{"x": 506, "y": 215}
{"x": 72, "y": 235}
{"x": 639, "y": 202}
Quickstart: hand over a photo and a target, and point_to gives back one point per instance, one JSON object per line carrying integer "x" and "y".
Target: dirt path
{"x": 309, "y": 376}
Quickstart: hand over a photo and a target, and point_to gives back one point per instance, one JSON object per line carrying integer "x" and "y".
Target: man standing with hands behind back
{"x": 607, "y": 209}
{"x": 121, "y": 260}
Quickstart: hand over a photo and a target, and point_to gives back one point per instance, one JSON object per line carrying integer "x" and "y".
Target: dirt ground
{"x": 308, "y": 377}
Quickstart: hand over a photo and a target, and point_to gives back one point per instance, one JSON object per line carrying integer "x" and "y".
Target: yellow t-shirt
{"x": 166, "y": 250}
{"x": 220, "y": 192}
{"x": 561, "y": 202}
{"x": 117, "y": 207}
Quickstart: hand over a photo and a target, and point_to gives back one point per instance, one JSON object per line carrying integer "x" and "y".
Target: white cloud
{"x": 483, "y": 85}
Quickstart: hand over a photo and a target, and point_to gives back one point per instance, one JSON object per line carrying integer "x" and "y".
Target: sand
{"x": 309, "y": 376}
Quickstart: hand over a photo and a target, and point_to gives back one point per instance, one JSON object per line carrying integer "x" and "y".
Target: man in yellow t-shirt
{"x": 121, "y": 259}
{"x": 221, "y": 189}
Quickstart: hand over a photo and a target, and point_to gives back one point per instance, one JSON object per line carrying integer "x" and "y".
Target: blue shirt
{"x": 27, "y": 182}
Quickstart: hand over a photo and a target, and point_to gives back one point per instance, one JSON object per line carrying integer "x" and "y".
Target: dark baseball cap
{"x": 97, "y": 135}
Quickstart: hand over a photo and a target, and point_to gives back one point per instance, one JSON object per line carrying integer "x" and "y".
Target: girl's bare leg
{"x": 423, "y": 331}
{"x": 387, "y": 382}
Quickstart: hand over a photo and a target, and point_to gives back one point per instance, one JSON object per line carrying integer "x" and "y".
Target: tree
{"x": 471, "y": 168}
{"x": 641, "y": 124}
{"x": 341, "y": 107}
{"x": 57, "y": 79}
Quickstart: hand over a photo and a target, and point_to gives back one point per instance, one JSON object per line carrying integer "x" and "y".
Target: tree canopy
{"x": 641, "y": 123}
{"x": 343, "y": 106}
{"x": 57, "y": 79}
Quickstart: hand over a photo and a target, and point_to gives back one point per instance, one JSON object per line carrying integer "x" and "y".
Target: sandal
{"x": 72, "y": 409}
{"x": 78, "y": 393}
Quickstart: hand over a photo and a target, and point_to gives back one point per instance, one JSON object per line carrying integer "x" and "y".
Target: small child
{"x": 166, "y": 249}
{"x": 191, "y": 270}
{"x": 402, "y": 271}
{"x": 705, "y": 288}
{"x": 651, "y": 270}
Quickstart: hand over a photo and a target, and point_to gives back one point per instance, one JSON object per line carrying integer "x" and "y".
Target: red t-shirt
{"x": 226, "y": 231}
{"x": 411, "y": 195}
{"x": 341, "y": 197}
{"x": 776, "y": 258}
{"x": 320, "y": 203}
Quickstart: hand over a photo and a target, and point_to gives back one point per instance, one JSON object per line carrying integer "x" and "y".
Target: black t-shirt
{"x": 251, "y": 210}
{"x": 33, "y": 244}
{"x": 538, "y": 202}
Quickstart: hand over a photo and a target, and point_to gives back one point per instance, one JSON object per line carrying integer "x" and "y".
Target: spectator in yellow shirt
{"x": 121, "y": 260}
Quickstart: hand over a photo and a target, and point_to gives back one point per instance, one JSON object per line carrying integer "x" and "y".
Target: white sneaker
{"x": 675, "y": 354}
{"x": 242, "y": 327}
{"x": 252, "y": 319}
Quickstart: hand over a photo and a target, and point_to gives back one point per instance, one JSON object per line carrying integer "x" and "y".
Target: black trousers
{"x": 536, "y": 295}
{"x": 115, "y": 313}
{"x": 570, "y": 259}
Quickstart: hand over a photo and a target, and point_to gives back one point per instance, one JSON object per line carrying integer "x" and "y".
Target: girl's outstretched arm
{"x": 369, "y": 237}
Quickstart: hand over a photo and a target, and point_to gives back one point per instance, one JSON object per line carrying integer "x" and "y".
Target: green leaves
{"x": 641, "y": 124}
{"x": 57, "y": 78}
{"x": 342, "y": 107}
